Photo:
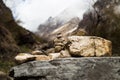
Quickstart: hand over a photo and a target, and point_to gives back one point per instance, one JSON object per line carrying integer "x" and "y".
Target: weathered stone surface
{"x": 89, "y": 46}
{"x": 24, "y": 57}
{"x": 54, "y": 55}
{"x": 41, "y": 57}
{"x": 37, "y": 52}
{"x": 65, "y": 54}
{"x": 88, "y": 68}
{"x": 58, "y": 48}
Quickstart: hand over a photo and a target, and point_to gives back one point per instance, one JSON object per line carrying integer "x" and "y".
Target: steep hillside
{"x": 103, "y": 21}
{"x": 13, "y": 38}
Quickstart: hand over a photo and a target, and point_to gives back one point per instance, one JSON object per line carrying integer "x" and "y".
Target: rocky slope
{"x": 103, "y": 21}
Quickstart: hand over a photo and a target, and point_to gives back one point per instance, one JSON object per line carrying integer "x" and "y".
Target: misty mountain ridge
{"x": 56, "y": 24}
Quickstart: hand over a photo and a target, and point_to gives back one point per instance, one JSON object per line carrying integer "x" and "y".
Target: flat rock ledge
{"x": 86, "y": 68}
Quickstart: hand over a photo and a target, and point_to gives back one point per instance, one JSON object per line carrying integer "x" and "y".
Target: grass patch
{"x": 6, "y": 65}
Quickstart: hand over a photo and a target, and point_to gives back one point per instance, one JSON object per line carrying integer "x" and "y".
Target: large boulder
{"x": 90, "y": 68}
{"x": 89, "y": 46}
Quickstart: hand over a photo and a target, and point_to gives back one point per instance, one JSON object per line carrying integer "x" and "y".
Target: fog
{"x": 32, "y": 13}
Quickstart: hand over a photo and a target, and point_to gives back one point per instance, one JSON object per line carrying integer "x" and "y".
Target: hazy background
{"x": 34, "y": 12}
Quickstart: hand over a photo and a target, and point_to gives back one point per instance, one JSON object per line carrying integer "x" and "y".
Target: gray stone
{"x": 88, "y": 68}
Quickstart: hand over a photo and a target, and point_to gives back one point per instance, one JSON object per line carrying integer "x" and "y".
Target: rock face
{"x": 95, "y": 68}
{"x": 89, "y": 46}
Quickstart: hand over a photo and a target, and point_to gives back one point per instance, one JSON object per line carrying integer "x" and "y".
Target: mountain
{"x": 53, "y": 26}
{"x": 53, "y": 23}
{"x": 103, "y": 21}
{"x": 67, "y": 28}
{"x": 47, "y": 27}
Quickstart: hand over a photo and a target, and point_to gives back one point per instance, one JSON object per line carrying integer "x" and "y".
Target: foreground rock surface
{"x": 93, "y": 68}
{"x": 89, "y": 46}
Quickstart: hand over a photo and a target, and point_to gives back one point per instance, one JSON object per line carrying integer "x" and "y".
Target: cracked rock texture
{"x": 89, "y": 46}
{"x": 88, "y": 68}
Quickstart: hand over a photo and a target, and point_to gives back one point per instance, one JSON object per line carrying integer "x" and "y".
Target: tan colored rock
{"x": 24, "y": 57}
{"x": 42, "y": 58}
{"x": 58, "y": 48}
{"x": 59, "y": 44}
{"x": 103, "y": 47}
{"x": 89, "y": 46}
{"x": 37, "y": 52}
{"x": 54, "y": 55}
{"x": 65, "y": 54}
{"x": 58, "y": 40}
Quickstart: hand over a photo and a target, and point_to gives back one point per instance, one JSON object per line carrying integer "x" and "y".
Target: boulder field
{"x": 72, "y": 46}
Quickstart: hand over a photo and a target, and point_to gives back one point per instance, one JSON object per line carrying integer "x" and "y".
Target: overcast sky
{"x": 34, "y": 12}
